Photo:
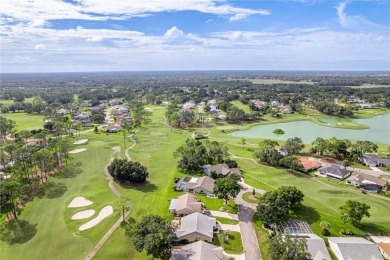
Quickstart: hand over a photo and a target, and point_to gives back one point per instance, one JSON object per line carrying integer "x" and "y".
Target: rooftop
{"x": 356, "y": 248}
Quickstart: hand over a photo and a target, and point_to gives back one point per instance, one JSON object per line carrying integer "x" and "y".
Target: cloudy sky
{"x": 133, "y": 35}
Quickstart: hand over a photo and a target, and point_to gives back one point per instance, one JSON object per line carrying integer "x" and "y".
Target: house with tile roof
{"x": 367, "y": 182}
{"x": 202, "y": 185}
{"x": 315, "y": 246}
{"x": 373, "y": 160}
{"x": 222, "y": 170}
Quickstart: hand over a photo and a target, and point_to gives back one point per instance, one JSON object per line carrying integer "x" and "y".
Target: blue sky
{"x": 121, "y": 35}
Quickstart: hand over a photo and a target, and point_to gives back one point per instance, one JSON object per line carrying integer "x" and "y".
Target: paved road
{"x": 245, "y": 215}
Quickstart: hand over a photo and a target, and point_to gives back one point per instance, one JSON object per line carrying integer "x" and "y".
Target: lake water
{"x": 379, "y": 130}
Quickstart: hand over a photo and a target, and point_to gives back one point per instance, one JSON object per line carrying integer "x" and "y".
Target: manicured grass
{"x": 262, "y": 236}
{"x": 233, "y": 245}
{"x": 321, "y": 201}
{"x": 227, "y": 221}
{"x": 246, "y": 197}
{"x": 57, "y": 236}
{"x": 26, "y": 121}
{"x": 242, "y": 106}
{"x": 11, "y": 102}
{"x": 368, "y": 113}
{"x": 216, "y": 204}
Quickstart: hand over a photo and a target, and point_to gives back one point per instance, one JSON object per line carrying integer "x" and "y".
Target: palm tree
{"x": 243, "y": 142}
{"x": 121, "y": 206}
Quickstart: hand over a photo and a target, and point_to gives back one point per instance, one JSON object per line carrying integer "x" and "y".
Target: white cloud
{"x": 209, "y": 21}
{"x": 97, "y": 38}
{"x": 40, "y": 47}
{"x": 44, "y": 10}
{"x": 174, "y": 32}
{"x": 356, "y": 22}
{"x": 38, "y": 23}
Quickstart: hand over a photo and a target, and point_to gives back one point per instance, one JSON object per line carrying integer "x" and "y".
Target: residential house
{"x": 275, "y": 103}
{"x": 198, "y": 251}
{"x": 315, "y": 246}
{"x": 334, "y": 172}
{"x": 195, "y": 227}
{"x": 309, "y": 165}
{"x": 260, "y": 105}
{"x": 383, "y": 244}
{"x": 189, "y": 106}
{"x": 285, "y": 109}
{"x": 222, "y": 115}
{"x": 185, "y": 204}
{"x": 202, "y": 185}
{"x": 367, "y": 182}
{"x": 84, "y": 119}
{"x": 373, "y": 160}
{"x": 356, "y": 248}
{"x": 222, "y": 170}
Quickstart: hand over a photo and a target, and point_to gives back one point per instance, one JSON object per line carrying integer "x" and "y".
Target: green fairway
{"x": 11, "y": 102}
{"x": 26, "y": 121}
{"x": 242, "y": 106}
{"x": 57, "y": 236}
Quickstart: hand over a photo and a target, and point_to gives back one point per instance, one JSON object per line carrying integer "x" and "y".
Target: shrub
{"x": 278, "y": 131}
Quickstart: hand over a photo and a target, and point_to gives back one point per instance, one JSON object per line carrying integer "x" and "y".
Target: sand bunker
{"x": 82, "y": 141}
{"x": 78, "y": 150}
{"x": 105, "y": 212}
{"x": 83, "y": 214}
{"x": 79, "y": 201}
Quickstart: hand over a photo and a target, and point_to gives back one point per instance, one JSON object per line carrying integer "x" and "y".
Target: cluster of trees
{"x": 286, "y": 247}
{"x": 194, "y": 154}
{"x": 127, "y": 171}
{"x": 29, "y": 165}
{"x": 354, "y": 211}
{"x": 269, "y": 154}
{"x": 152, "y": 234}
{"x": 274, "y": 206}
{"x": 342, "y": 147}
{"x": 225, "y": 188}
{"x": 332, "y": 109}
{"x": 178, "y": 118}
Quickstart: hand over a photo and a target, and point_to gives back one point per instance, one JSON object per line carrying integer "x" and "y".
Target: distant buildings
{"x": 84, "y": 119}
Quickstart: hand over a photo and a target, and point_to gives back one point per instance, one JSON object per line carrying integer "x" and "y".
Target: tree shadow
{"x": 373, "y": 229}
{"x": 55, "y": 190}
{"x": 69, "y": 171}
{"x": 145, "y": 187}
{"x": 17, "y": 232}
{"x": 305, "y": 213}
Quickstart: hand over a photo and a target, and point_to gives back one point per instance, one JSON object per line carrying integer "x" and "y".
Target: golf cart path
{"x": 117, "y": 150}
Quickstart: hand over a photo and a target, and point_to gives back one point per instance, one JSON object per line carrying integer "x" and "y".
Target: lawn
{"x": 227, "y": 221}
{"x": 51, "y": 234}
{"x": 11, "y": 102}
{"x": 247, "y": 197}
{"x": 216, "y": 204}
{"x": 26, "y": 121}
{"x": 233, "y": 245}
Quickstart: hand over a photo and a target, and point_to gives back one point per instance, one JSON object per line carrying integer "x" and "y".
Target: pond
{"x": 379, "y": 130}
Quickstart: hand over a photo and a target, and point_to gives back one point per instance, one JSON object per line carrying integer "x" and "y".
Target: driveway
{"x": 245, "y": 215}
{"x": 225, "y": 227}
{"x": 216, "y": 213}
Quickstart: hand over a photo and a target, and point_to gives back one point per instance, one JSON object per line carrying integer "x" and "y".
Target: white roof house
{"x": 354, "y": 248}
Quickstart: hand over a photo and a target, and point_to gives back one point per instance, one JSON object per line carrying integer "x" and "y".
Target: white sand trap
{"x": 79, "y": 201}
{"x": 78, "y": 150}
{"x": 82, "y": 141}
{"x": 83, "y": 214}
{"x": 105, "y": 212}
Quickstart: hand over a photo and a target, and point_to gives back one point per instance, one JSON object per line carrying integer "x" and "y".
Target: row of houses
{"x": 261, "y": 105}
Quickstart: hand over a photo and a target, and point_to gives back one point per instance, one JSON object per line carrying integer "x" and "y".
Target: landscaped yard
{"x": 233, "y": 245}
{"x": 217, "y": 204}
{"x": 227, "y": 221}
{"x": 248, "y": 197}
{"x": 242, "y": 106}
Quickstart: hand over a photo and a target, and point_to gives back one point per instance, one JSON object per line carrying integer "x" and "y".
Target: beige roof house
{"x": 196, "y": 226}
{"x": 185, "y": 204}
{"x": 367, "y": 181}
{"x": 203, "y": 185}
{"x": 198, "y": 251}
